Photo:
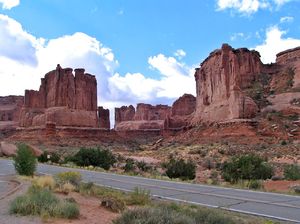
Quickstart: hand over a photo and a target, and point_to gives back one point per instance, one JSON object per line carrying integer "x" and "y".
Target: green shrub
{"x": 67, "y": 210}
{"x": 246, "y": 167}
{"x": 139, "y": 197}
{"x": 292, "y": 172}
{"x": 42, "y": 202}
{"x": 25, "y": 161}
{"x": 181, "y": 169}
{"x": 115, "y": 204}
{"x": 71, "y": 177}
{"x": 129, "y": 166}
{"x": 172, "y": 213}
{"x": 49, "y": 156}
{"x": 94, "y": 157}
{"x": 143, "y": 166}
{"x": 255, "y": 184}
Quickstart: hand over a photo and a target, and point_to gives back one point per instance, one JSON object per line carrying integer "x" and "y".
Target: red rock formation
{"x": 220, "y": 82}
{"x": 103, "y": 116}
{"x": 10, "y": 107}
{"x": 185, "y": 105}
{"x": 291, "y": 59}
{"x": 62, "y": 99}
{"x": 145, "y": 117}
{"x": 182, "y": 110}
{"x": 147, "y": 112}
{"x": 124, "y": 113}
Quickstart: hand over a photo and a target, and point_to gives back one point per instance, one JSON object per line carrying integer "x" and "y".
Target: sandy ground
{"x": 6, "y": 218}
{"x": 90, "y": 211}
{"x": 280, "y": 185}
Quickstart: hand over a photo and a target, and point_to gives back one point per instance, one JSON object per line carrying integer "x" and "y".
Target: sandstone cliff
{"x": 220, "y": 82}
{"x": 10, "y": 107}
{"x": 63, "y": 99}
{"x": 103, "y": 116}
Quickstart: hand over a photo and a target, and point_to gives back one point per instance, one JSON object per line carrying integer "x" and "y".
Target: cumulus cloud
{"x": 176, "y": 79}
{"x": 26, "y": 58}
{"x": 274, "y": 43}
{"x": 249, "y": 6}
{"x": 8, "y": 4}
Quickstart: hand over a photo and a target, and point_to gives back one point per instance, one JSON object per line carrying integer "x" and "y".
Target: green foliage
{"x": 71, "y": 177}
{"x": 139, "y": 197}
{"x": 292, "y": 172}
{"x": 283, "y": 142}
{"x": 25, "y": 161}
{"x": 143, "y": 166}
{"x": 255, "y": 184}
{"x": 42, "y": 202}
{"x": 129, "y": 166}
{"x": 181, "y": 169}
{"x": 49, "y": 156}
{"x": 246, "y": 167}
{"x": 115, "y": 204}
{"x": 94, "y": 157}
{"x": 172, "y": 213}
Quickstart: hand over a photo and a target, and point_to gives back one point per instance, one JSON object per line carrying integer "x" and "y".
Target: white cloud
{"x": 286, "y": 19}
{"x": 180, "y": 54}
{"x": 274, "y": 43}
{"x": 176, "y": 79}
{"x": 25, "y": 59}
{"x": 8, "y": 4}
{"x": 249, "y": 6}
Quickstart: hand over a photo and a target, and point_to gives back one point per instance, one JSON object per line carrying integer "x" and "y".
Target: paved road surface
{"x": 278, "y": 206}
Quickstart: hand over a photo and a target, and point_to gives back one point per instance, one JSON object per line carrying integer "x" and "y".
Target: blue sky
{"x": 140, "y": 50}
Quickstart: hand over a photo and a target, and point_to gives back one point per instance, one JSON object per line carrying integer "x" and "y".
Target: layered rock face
{"x": 291, "y": 58}
{"x": 181, "y": 113}
{"x": 145, "y": 117}
{"x": 159, "y": 117}
{"x": 103, "y": 116}
{"x": 220, "y": 82}
{"x": 63, "y": 99}
{"x": 10, "y": 107}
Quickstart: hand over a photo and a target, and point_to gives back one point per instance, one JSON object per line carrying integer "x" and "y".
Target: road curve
{"x": 271, "y": 205}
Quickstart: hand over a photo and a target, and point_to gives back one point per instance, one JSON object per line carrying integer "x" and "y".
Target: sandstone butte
{"x": 64, "y": 99}
{"x": 231, "y": 85}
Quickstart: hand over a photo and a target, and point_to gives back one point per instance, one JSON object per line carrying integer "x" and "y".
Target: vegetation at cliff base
{"x": 25, "y": 161}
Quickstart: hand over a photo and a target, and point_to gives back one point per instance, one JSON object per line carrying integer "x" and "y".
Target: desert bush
{"x": 296, "y": 189}
{"x": 246, "y": 167}
{"x": 181, "y": 169}
{"x": 292, "y": 172}
{"x": 129, "y": 165}
{"x": 25, "y": 161}
{"x": 87, "y": 188}
{"x": 71, "y": 177}
{"x": 143, "y": 166}
{"x": 255, "y": 184}
{"x": 45, "y": 182}
{"x": 66, "y": 188}
{"x": 42, "y": 202}
{"x": 49, "y": 156}
{"x": 95, "y": 157}
{"x": 115, "y": 204}
{"x": 172, "y": 213}
{"x": 139, "y": 197}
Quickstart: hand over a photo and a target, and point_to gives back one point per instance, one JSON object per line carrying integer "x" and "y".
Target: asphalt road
{"x": 277, "y": 206}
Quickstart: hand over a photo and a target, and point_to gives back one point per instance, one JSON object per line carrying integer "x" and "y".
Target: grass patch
{"x": 179, "y": 214}
{"x": 42, "y": 202}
